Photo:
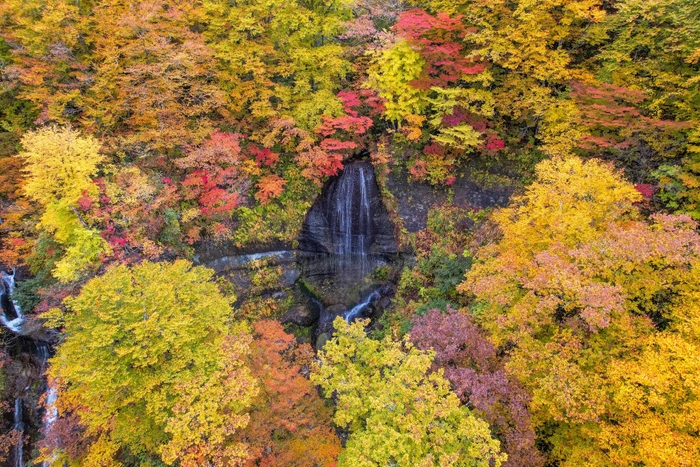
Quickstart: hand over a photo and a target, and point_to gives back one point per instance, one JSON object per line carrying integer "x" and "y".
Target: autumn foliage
{"x": 540, "y": 162}
{"x": 289, "y": 423}
{"x": 395, "y": 410}
{"x": 476, "y": 374}
{"x": 166, "y": 378}
{"x": 593, "y": 303}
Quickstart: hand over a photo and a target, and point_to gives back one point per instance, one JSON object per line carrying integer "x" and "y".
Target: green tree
{"x": 398, "y": 413}
{"x": 152, "y": 368}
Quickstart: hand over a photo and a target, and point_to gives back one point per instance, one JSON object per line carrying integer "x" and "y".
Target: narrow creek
{"x": 33, "y": 354}
{"x": 11, "y": 312}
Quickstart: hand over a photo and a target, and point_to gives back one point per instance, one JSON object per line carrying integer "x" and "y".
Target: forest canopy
{"x": 186, "y": 188}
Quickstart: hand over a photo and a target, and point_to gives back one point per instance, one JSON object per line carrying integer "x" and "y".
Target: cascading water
{"x": 351, "y": 218}
{"x": 352, "y": 228}
{"x": 11, "y": 312}
{"x": 51, "y": 414}
{"x": 356, "y": 311}
{"x": 19, "y": 426}
{"x": 43, "y": 353}
{"x": 347, "y": 235}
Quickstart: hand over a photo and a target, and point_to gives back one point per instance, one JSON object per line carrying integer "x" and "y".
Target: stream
{"x": 27, "y": 350}
{"x": 11, "y": 312}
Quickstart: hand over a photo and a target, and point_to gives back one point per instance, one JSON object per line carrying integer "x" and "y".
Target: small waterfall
{"x": 50, "y": 416}
{"x": 11, "y": 312}
{"x": 351, "y": 218}
{"x": 346, "y": 236}
{"x": 51, "y": 413}
{"x": 19, "y": 426}
{"x": 351, "y": 315}
{"x": 43, "y": 353}
{"x": 315, "y": 302}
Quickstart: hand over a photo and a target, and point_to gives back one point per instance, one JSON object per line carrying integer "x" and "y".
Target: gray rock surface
{"x": 328, "y": 315}
{"x": 355, "y": 187}
{"x": 415, "y": 198}
{"x": 321, "y": 340}
{"x": 301, "y": 315}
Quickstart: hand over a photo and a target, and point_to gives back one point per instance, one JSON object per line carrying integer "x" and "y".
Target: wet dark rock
{"x": 328, "y": 315}
{"x": 383, "y": 303}
{"x": 33, "y": 328}
{"x": 301, "y": 315}
{"x": 321, "y": 340}
{"x": 374, "y": 326}
{"x": 334, "y": 279}
{"x": 208, "y": 251}
{"x": 290, "y": 274}
{"x": 234, "y": 262}
{"x": 414, "y": 199}
{"x": 249, "y": 273}
{"x": 315, "y": 233}
{"x": 244, "y": 280}
{"x": 469, "y": 193}
{"x": 349, "y": 216}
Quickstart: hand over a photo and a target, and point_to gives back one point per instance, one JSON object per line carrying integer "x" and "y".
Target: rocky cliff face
{"x": 414, "y": 199}
{"x": 349, "y": 216}
{"x": 347, "y": 251}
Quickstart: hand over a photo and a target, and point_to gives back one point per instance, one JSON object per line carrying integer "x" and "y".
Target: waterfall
{"x": 11, "y": 312}
{"x": 50, "y": 416}
{"x": 351, "y": 216}
{"x": 19, "y": 426}
{"x": 51, "y": 413}
{"x": 348, "y": 217}
{"x": 346, "y": 235}
{"x": 43, "y": 353}
{"x": 360, "y": 307}
{"x": 317, "y": 304}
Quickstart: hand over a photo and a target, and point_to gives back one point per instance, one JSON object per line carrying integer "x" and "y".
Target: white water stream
{"x": 7, "y": 287}
{"x": 360, "y": 307}
{"x": 19, "y": 426}
{"x": 352, "y": 219}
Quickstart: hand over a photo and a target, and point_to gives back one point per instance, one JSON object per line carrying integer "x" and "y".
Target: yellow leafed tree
{"x": 398, "y": 413}
{"x": 598, "y": 310}
{"x": 152, "y": 369}
{"x": 60, "y": 166}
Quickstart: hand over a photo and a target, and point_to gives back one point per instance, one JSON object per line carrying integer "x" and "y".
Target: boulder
{"x": 300, "y": 315}
{"x": 321, "y": 340}
{"x": 325, "y": 322}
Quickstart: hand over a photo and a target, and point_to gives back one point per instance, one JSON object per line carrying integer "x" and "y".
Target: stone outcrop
{"x": 301, "y": 315}
{"x": 349, "y": 216}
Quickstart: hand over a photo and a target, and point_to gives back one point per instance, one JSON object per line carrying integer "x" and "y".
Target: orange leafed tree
{"x": 289, "y": 423}
{"x": 154, "y": 83}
